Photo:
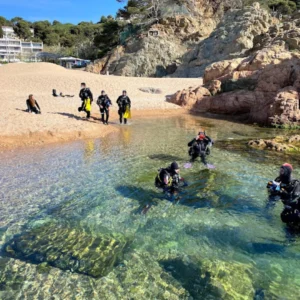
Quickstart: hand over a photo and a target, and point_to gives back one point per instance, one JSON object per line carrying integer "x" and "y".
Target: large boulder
{"x": 188, "y": 98}
{"x": 265, "y": 86}
{"x": 67, "y": 248}
{"x": 101, "y": 66}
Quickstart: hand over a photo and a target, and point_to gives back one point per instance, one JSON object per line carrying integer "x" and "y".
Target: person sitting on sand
{"x": 32, "y": 105}
{"x": 124, "y": 103}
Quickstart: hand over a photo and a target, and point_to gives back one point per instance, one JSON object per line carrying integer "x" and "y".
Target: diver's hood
{"x": 285, "y": 174}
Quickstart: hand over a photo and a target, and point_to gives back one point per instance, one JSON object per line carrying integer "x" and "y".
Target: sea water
{"x": 221, "y": 239}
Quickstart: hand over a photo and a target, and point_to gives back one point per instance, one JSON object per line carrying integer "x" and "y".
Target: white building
{"x": 13, "y": 49}
{"x": 8, "y": 32}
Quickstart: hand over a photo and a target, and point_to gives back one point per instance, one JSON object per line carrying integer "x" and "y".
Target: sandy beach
{"x": 60, "y": 121}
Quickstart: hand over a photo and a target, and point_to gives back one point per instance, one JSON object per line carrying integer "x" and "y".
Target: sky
{"x": 65, "y": 11}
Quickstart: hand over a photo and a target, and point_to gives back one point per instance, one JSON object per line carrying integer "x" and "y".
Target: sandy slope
{"x": 60, "y": 119}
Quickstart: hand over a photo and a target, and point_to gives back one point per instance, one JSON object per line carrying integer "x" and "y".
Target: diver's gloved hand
{"x": 274, "y": 186}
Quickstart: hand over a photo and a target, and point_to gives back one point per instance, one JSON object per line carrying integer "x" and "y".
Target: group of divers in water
{"x": 283, "y": 188}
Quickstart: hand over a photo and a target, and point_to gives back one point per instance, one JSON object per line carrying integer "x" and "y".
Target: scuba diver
{"x": 288, "y": 190}
{"x": 123, "y": 102}
{"x": 86, "y": 97}
{"x": 200, "y": 147}
{"x": 168, "y": 179}
{"x": 104, "y": 103}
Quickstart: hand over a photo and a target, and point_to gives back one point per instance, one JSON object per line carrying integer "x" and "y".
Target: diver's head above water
{"x": 201, "y": 136}
{"x": 175, "y": 167}
{"x": 285, "y": 173}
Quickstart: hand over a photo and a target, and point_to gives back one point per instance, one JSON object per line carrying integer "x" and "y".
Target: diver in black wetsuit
{"x": 85, "y": 93}
{"x": 104, "y": 103}
{"x": 123, "y": 102}
{"x": 86, "y": 97}
{"x": 200, "y": 147}
{"x": 288, "y": 190}
{"x": 169, "y": 179}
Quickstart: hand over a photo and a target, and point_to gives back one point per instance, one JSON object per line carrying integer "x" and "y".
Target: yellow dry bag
{"x": 127, "y": 114}
{"x": 87, "y": 105}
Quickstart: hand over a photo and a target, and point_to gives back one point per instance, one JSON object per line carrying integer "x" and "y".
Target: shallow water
{"x": 220, "y": 241}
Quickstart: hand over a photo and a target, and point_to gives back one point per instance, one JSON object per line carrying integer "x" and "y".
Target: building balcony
{"x": 10, "y": 44}
{"x": 26, "y": 45}
{"x": 37, "y": 45}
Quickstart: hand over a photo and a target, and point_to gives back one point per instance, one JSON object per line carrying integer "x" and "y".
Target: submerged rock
{"x": 232, "y": 278}
{"x": 67, "y": 248}
{"x": 279, "y": 144}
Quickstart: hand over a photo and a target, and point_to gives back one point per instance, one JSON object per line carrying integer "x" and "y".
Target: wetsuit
{"x": 288, "y": 190}
{"x": 168, "y": 180}
{"x": 123, "y": 102}
{"x": 33, "y": 106}
{"x": 104, "y": 103}
{"x": 86, "y": 97}
{"x": 199, "y": 148}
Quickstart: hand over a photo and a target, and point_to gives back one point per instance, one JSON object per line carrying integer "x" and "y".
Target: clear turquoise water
{"x": 221, "y": 241}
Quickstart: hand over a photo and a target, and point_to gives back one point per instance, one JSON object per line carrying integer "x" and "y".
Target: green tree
{"x": 4, "y": 22}
{"x": 1, "y": 32}
{"x": 22, "y": 29}
{"x": 103, "y": 20}
{"x": 297, "y": 3}
{"x": 282, "y": 6}
{"x": 108, "y": 38}
{"x": 16, "y": 20}
{"x": 134, "y": 8}
{"x": 52, "y": 39}
{"x": 67, "y": 41}
{"x": 42, "y": 29}
{"x": 55, "y": 22}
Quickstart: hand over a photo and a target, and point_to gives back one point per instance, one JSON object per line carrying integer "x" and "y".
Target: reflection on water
{"x": 71, "y": 227}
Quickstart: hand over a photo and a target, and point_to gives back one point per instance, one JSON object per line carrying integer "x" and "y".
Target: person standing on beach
{"x": 104, "y": 103}
{"x": 86, "y": 97}
{"x": 124, "y": 103}
{"x": 32, "y": 105}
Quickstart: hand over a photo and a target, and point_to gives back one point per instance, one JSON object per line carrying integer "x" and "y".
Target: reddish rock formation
{"x": 265, "y": 85}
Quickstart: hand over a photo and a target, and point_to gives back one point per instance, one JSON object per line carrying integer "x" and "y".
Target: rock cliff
{"x": 158, "y": 55}
{"x": 233, "y": 38}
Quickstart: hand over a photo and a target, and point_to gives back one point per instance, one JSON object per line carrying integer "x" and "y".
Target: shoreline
{"x": 60, "y": 120}
{"x": 49, "y": 137}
